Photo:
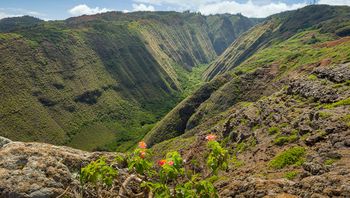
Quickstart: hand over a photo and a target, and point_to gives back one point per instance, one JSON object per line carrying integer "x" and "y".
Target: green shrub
{"x": 329, "y": 161}
{"x": 291, "y": 175}
{"x": 292, "y": 156}
{"x": 281, "y": 140}
{"x": 98, "y": 172}
{"x": 274, "y": 130}
{"x": 168, "y": 179}
{"x": 312, "y": 77}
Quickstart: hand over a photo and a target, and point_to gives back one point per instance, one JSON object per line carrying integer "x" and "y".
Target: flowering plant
{"x": 172, "y": 181}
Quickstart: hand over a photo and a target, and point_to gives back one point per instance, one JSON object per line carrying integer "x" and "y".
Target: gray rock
{"x": 4, "y": 141}
{"x": 315, "y": 169}
{"x": 38, "y": 170}
{"x": 347, "y": 143}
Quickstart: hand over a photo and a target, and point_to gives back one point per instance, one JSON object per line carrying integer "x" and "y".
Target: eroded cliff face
{"x": 99, "y": 82}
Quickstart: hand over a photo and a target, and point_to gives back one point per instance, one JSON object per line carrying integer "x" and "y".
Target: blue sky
{"x": 62, "y": 9}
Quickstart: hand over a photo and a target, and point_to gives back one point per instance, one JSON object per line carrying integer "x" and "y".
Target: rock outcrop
{"x": 40, "y": 170}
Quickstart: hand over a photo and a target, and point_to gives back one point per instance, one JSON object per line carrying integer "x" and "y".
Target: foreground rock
{"x": 40, "y": 170}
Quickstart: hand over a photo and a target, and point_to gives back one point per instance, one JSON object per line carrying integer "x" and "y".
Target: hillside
{"x": 272, "y": 120}
{"x": 283, "y": 96}
{"x": 101, "y": 81}
{"x": 279, "y": 27}
{"x": 275, "y": 60}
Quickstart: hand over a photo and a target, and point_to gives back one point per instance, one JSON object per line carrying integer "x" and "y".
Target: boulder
{"x": 40, "y": 170}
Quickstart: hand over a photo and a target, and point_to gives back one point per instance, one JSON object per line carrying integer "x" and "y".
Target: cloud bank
{"x": 335, "y": 2}
{"x": 247, "y": 9}
{"x": 17, "y": 12}
{"x": 84, "y": 9}
{"x": 142, "y": 7}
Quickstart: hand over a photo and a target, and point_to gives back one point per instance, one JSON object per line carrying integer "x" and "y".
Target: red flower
{"x": 142, "y": 145}
{"x": 142, "y": 154}
{"x": 171, "y": 163}
{"x": 210, "y": 137}
{"x": 161, "y": 162}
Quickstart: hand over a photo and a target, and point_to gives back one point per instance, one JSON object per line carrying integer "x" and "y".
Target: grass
{"x": 346, "y": 119}
{"x": 312, "y": 77}
{"x": 291, "y": 175}
{"x": 330, "y": 161}
{"x": 292, "y": 156}
{"x": 91, "y": 137}
{"x": 324, "y": 114}
{"x": 245, "y": 145}
{"x": 235, "y": 163}
{"x": 159, "y": 150}
{"x": 274, "y": 130}
{"x": 344, "y": 102}
{"x": 281, "y": 140}
{"x": 190, "y": 80}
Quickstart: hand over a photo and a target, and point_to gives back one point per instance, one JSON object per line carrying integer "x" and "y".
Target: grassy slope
{"x": 99, "y": 81}
{"x": 277, "y": 112}
{"x": 264, "y": 72}
{"x": 279, "y": 27}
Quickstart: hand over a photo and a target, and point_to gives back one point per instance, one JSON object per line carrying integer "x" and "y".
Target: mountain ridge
{"x": 112, "y": 73}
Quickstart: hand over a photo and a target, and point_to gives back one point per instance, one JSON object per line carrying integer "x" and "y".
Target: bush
{"x": 291, "y": 175}
{"x": 98, "y": 172}
{"x": 285, "y": 139}
{"x": 292, "y": 156}
{"x": 168, "y": 178}
{"x": 274, "y": 130}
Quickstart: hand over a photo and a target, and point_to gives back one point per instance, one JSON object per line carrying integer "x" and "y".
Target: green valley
{"x": 101, "y": 82}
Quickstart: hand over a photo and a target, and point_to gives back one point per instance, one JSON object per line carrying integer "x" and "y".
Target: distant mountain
{"x": 10, "y": 24}
{"x": 101, "y": 81}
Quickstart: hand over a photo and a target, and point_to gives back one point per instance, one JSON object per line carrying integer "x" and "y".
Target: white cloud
{"x": 3, "y": 15}
{"x": 84, "y": 9}
{"x": 17, "y": 12}
{"x": 179, "y": 4}
{"x": 142, "y": 7}
{"x": 248, "y": 9}
{"x": 335, "y": 2}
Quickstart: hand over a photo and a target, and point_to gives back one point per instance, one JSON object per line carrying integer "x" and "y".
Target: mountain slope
{"x": 283, "y": 112}
{"x": 269, "y": 68}
{"x": 279, "y": 27}
{"x": 100, "y": 81}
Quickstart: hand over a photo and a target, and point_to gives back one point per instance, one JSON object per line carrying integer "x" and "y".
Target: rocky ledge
{"x": 40, "y": 170}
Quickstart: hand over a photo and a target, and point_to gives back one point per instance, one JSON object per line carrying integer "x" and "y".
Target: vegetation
{"x": 274, "y": 130}
{"x": 291, "y": 175}
{"x": 101, "y": 83}
{"x": 344, "y": 102}
{"x": 169, "y": 178}
{"x": 292, "y": 156}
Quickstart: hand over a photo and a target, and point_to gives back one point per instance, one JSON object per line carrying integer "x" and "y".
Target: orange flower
{"x": 142, "y": 154}
{"x": 171, "y": 163}
{"x": 210, "y": 137}
{"x": 142, "y": 145}
{"x": 161, "y": 162}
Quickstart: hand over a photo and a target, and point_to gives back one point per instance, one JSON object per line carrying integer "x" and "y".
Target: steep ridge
{"x": 277, "y": 28}
{"x": 269, "y": 69}
{"x": 283, "y": 113}
{"x": 101, "y": 81}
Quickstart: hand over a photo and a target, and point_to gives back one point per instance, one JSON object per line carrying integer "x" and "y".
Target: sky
{"x": 62, "y": 9}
